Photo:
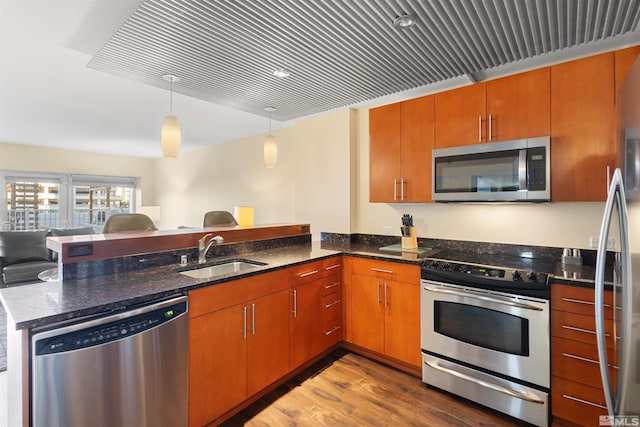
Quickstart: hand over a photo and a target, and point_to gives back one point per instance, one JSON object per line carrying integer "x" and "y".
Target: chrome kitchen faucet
{"x": 203, "y": 247}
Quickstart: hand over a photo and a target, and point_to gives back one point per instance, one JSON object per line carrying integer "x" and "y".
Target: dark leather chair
{"x": 120, "y": 223}
{"x": 219, "y": 219}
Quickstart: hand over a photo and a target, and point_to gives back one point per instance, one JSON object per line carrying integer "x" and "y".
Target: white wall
{"x": 38, "y": 159}
{"x": 308, "y": 185}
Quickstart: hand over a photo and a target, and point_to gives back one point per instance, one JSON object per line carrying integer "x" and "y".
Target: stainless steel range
{"x": 485, "y": 336}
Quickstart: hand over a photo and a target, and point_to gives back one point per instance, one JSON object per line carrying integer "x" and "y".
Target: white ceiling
{"x": 50, "y": 97}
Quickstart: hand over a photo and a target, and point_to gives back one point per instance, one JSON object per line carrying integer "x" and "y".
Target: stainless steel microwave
{"x": 499, "y": 171}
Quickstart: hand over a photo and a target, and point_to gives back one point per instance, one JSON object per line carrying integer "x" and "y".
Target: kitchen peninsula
{"x": 142, "y": 276}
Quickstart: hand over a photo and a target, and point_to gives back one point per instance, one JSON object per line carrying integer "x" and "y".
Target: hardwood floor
{"x": 346, "y": 389}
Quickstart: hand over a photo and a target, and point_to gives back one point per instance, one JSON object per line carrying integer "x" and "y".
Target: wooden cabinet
{"x": 331, "y": 305}
{"x": 400, "y": 143}
{"x": 503, "y": 109}
{"x": 316, "y": 307}
{"x": 576, "y": 386}
{"x": 624, "y": 59}
{"x": 583, "y": 146}
{"x": 385, "y": 308}
{"x": 238, "y": 342}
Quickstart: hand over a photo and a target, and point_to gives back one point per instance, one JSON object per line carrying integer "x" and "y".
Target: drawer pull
{"x": 332, "y": 330}
{"x": 308, "y": 274}
{"x": 579, "y": 301}
{"x": 331, "y": 267}
{"x": 381, "y": 270}
{"x": 584, "y": 359}
{"x": 586, "y": 402}
{"x": 586, "y": 331}
{"x": 331, "y": 304}
{"x": 332, "y": 285}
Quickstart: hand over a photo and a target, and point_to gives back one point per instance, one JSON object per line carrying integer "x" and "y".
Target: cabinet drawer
{"x": 331, "y": 305}
{"x": 216, "y": 297}
{"x": 576, "y": 402}
{"x": 578, "y": 362}
{"x": 579, "y": 300}
{"x": 331, "y": 284}
{"x": 332, "y": 267}
{"x": 395, "y": 271}
{"x": 578, "y": 327}
{"x": 305, "y": 273}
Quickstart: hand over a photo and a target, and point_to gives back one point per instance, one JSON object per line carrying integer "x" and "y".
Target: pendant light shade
{"x": 170, "y": 135}
{"x": 270, "y": 151}
{"x": 270, "y": 144}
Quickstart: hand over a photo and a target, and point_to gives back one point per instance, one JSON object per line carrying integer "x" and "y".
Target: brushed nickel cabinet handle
{"x": 584, "y": 359}
{"x": 310, "y": 273}
{"x": 381, "y": 270}
{"x": 333, "y": 285}
{"x": 579, "y": 301}
{"x": 586, "y": 331}
{"x": 586, "y": 402}
{"x": 402, "y": 182}
{"x": 490, "y": 125}
{"x": 378, "y": 289}
{"x": 244, "y": 322}
{"x": 386, "y": 299}
{"x": 332, "y": 330}
{"x": 479, "y": 128}
{"x": 295, "y": 303}
{"x": 253, "y": 319}
{"x": 331, "y": 304}
{"x": 395, "y": 189}
{"x": 331, "y": 267}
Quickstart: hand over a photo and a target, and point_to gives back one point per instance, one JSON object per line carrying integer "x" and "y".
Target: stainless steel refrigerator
{"x": 620, "y": 369}
{"x": 624, "y": 280}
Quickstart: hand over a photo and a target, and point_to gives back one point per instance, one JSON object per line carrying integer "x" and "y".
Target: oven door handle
{"x": 494, "y": 299}
{"x": 524, "y": 395}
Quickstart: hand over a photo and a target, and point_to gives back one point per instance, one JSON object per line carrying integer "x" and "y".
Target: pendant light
{"x": 170, "y": 136}
{"x": 270, "y": 144}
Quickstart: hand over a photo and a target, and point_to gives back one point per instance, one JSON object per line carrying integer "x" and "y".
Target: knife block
{"x": 410, "y": 241}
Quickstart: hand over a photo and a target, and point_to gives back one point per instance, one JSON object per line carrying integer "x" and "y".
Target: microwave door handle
{"x": 522, "y": 169}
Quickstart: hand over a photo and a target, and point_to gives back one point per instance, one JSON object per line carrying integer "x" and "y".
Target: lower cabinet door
{"x": 307, "y": 335}
{"x": 217, "y": 363}
{"x": 402, "y": 322}
{"x": 268, "y": 340}
{"x": 367, "y": 312}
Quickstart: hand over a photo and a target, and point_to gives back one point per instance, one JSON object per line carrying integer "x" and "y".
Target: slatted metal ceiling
{"x": 341, "y": 52}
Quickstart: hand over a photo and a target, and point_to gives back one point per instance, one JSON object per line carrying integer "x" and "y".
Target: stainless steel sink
{"x": 224, "y": 268}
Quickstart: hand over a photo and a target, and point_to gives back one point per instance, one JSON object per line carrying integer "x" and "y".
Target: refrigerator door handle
{"x": 617, "y": 196}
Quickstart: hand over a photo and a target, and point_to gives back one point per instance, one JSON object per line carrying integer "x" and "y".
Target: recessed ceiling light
{"x": 405, "y": 21}
{"x": 281, "y": 73}
{"x": 270, "y": 109}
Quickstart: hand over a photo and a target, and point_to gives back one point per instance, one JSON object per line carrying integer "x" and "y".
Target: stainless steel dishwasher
{"x": 128, "y": 368}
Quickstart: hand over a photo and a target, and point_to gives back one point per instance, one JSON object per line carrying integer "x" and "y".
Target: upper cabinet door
{"x": 459, "y": 116}
{"x": 416, "y": 135}
{"x": 624, "y": 60}
{"x": 519, "y": 106}
{"x": 384, "y": 153}
{"x": 582, "y": 128}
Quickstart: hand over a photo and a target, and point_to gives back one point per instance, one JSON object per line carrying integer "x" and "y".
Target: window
{"x": 35, "y": 201}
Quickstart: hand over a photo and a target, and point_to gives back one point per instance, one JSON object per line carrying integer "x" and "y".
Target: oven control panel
{"x": 497, "y": 273}
{"x": 524, "y": 282}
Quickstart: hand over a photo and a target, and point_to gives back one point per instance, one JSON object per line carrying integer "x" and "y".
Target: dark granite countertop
{"x": 45, "y": 303}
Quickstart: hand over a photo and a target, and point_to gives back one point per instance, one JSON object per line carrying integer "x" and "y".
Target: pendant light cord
{"x": 171, "y": 98}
